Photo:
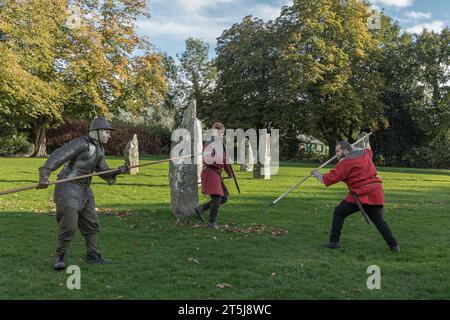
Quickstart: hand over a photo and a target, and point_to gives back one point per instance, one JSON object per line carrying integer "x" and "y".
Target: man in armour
{"x": 75, "y": 205}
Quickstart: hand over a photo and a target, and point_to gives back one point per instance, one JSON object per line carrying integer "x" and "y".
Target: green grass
{"x": 156, "y": 257}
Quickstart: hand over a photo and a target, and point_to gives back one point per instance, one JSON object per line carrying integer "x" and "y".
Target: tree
{"x": 30, "y": 93}
{"x": 415, "y": 69}
{"x": 54, "y": 70}
{"x": 246, "y": 93}
{"x": 197, "y": 73}
{"x": 401, "y": 97}
{"x": 329, "y": 57}
{"x": 246, "y": 64}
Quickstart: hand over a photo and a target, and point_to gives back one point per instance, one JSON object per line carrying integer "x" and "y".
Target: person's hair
{"x": 218, "y": 126}
{"x": 344, "y": 145}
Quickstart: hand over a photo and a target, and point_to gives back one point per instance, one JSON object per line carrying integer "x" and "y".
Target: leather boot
{"x": 96, "y": 258}
{"x": 59, "y": 262}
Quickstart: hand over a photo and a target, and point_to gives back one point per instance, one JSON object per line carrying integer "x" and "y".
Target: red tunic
{"x": 360, "y": 176}
{"x": 212, "y": 172}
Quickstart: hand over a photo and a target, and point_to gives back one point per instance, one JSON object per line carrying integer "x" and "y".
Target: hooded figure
{"x": 75, "y": 205}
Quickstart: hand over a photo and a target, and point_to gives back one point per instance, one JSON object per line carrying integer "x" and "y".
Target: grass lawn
{"x": 275, "y": 256}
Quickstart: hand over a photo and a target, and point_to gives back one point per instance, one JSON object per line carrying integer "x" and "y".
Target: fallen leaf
{"x": 223, "y": 285}
{"x": 276, "y": 232}
{"x": 273, "y": 274}
{"x": 193, "y": 260}
{"x": 356, "y": 290}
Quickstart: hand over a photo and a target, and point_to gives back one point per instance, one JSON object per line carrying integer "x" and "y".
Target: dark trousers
{"x": 214, "y": 204}
{"x": 375, "y": 213}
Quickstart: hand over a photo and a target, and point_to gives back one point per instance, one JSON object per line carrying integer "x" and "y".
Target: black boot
{"x": 59, "y": 262}
{"x": 396, "y": 248}
{"x": 200, "y": 215}
{"x": 331, "y": 245}
{"x": 96, "y": 258}
{"x": 213, "y": 225}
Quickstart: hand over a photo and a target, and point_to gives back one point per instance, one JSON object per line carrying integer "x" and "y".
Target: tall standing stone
{"x": 184, "y": 175}
{"x": 267, "y": 159}
{"x": 132, "y": 154}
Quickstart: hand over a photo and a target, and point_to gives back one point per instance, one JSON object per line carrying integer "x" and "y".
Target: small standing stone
{"x": 132, "y": 154}
{"x": 248, "y": 165}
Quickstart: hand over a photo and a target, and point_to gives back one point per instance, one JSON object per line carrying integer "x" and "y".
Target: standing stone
{"x": 248, "y": 165}
{"x": 267, "y": 159}
{"x": 184, "y": 175}
{"x": 132, "y": 154}
{"x": 263, "y": 165}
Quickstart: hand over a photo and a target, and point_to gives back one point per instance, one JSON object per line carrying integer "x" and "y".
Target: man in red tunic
{"x": 214, "y": 161}
{"x": 356, "y": 169}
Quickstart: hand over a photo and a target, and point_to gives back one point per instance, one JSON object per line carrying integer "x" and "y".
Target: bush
{"x": 313, "y": 155}
{"x": 152, "y": 139}
{"x": 15, "y": 145}
{"x": 434, "y": 155}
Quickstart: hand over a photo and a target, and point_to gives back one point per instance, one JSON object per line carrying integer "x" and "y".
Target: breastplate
{"x": 85, "y": 163}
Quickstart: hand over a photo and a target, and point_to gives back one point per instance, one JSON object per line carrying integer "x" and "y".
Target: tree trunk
{"x": 40, "y": 139}
{"x": 331, "y": 148}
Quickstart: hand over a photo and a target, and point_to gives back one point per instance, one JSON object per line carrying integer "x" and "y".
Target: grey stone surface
{"x": 248, "y": 165}
{"x": 132, "y": 154}
{"x": 267, "y": 159}
{"x": 184, "y": 174}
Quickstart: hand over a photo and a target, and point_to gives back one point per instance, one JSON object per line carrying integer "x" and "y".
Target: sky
{"x": 172, "y": 21}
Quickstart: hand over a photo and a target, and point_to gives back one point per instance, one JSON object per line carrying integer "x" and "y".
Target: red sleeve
{"x": 370, "y": 152}
{"x": 334, "y": 176}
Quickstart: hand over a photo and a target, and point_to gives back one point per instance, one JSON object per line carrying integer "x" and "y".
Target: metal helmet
{"x": 99, "y": 124}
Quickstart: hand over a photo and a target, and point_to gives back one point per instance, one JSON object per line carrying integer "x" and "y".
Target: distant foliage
{"x": 15, "y": 145}
{"x": 152, "y": 139}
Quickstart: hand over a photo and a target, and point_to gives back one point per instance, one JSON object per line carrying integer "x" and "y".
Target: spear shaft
{"x": 310, "y": 175}
{"x": 91, "y": 175}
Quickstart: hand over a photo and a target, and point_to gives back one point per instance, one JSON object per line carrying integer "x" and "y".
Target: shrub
{"x": 152, "y": 139}
{"x": 15, "y": 145}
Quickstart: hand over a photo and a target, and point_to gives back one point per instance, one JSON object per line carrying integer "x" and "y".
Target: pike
{"x": 92, "y": 175}
{"x": 310, "y": 175}
{"x": 232, "y": 171}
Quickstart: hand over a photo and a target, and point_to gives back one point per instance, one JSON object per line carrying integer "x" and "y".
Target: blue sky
{"x": 172, "y": 21}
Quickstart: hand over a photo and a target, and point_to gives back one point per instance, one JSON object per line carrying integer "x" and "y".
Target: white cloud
{"x": 195, "y": 6}
{"x": 436, "y": 26}
{"x": 179, "y": 29}
{"x": 394, "y": 3}
{"x": 415, "y": 15}
{"x": 177, "y": 20}
{"x": 265, "y": 12}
